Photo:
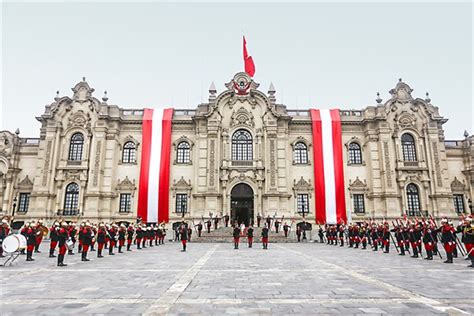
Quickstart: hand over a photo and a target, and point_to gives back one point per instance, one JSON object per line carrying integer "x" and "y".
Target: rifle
{"x": 394, "y": 243}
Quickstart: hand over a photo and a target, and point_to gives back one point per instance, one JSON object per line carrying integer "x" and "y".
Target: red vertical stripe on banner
{"x": 319, "y": 187}
{"x": 338, "y": 167}
{"x": 147, "y": 123}
{"x": 163, "y": 195}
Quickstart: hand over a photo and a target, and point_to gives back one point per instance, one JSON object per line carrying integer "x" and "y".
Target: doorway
{"x": 241, "y": 204}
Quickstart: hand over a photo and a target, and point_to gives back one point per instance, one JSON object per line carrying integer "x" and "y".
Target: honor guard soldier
{"x": 163, "y": 236}
{"x": 190, "y": 233}
{"x": 86, "y": 240}
{"x": 341, "y": 235}
{"x": 399, "y": 237}
{"x": 320, "y": 234}
{"x": 363, "y": 236}
{"x": 130, "y": 232}
{"x": 184, "y": 236}
{"x": 139, "y": 237}
{"x": 250, "y": 236}
{"x": 236, "y": 235}
{"x": 386, "y": 237}
{"x": 30, "y": 241}
{"x": 259, "y": 219}
{"x": 269, "y": 221}
{"x": 199, "y": 226}
{"x": 277, "y": 226}
{"x": 80, "y": 237}
{"x": 226, "y": 220}
{"x": 112, "y": 233}
{"x": 39, "y": 235}
{"x": 428, "y": 242}
{"x": 286, "y": 229}
{"x": 63, "y": 236}
{"x": 298, "y": 233}
{"x": 53, "y": 236}
{"x": 121, "y": 237}
{"x": 101, "y": 240}
{"x": 72, "y": 234}
{"x": 216, "y": 222}
{"x": 467, "y": 230}
{"x": 447, "y": 238}
{"x": 156, "y": 228}
{"x": 4, "y": 231}
{"x": 265, "y": 237}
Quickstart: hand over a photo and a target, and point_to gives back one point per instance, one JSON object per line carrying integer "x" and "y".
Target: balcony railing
{"x": 298, "y": 112}
{"x": 242, "y": 163}
{"x": 410, "y": 163}
{"x": 417, "y": 213}
{"x": 184, "y": 112}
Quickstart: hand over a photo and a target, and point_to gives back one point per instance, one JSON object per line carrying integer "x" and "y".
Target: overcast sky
{"x": 166, "y": 55}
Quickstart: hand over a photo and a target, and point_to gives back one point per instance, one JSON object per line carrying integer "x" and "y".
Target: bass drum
{"x": 13, "y": 243}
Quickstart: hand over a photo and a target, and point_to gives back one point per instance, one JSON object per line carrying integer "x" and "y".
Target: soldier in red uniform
{"x": 86, "y": 240}
{"x": 53, "y": 236}
{"x": 112, "y": 233}
{"x": 63, "y": 236}
{"x": 72, "y": 231}
{"x": 250, "y": 236}
{"x": 139, "y": 237}
{"x": 286, "y": 229}
{"x": 447, "y": 238}
{"x": 265, "y": 237}
{"x": 236, "y": 235}
{"x": 39, "y": 235}
{"x": 4, "y": 231}
{"x": 130, "y": 232}
{"x": 183, "y": 231}
{"x": 467, "y": 230}
{"x": 101, "y": 240}
{"x": 121, "y": 237}
{"x": 30, "y": 241}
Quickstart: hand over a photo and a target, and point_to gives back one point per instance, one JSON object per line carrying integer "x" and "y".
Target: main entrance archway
{"x": 241, "y": 204}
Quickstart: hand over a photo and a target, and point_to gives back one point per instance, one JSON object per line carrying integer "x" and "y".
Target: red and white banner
{"x": 328, "y": 167}
{"x": 153, "y": 191}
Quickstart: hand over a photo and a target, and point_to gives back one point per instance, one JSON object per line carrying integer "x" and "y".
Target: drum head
{"x": 22, "y": 240}
{"x": 11, "y": 244}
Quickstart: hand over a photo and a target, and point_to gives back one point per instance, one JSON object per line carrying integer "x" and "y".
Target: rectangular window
{"x": 181, "y": 203}
{"x": 302, "y": 203}
{"x": 359, "y": 205}
{"x": 125, "y": 202}
{"x": 24, "y": 202}
{"x": 458, "y": 203}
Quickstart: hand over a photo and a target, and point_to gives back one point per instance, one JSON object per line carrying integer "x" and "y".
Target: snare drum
{"x": 69, "y": 244}
{"x": 14, "y": 243}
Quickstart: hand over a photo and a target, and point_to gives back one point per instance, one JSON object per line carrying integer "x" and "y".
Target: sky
{"x": 320, "y": 55}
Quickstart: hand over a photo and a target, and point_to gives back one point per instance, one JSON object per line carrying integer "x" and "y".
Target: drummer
{"x": 63, "y": 236}
{"x": 4, "y": 231}
{"x": 30, "y": 241}
{"x": 39, "y": 235}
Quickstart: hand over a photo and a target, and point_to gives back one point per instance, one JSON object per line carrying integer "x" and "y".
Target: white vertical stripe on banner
{"x": 328, "y": 158}
{"x": 154, "y": 173}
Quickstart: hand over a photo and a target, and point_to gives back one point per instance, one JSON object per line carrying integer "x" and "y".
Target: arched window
{"x": 129, "y": 154}
{"x": 75, "y": 147}
{"x": 242, "y": 145}
{"x": 300, "y": 153}
{"x": 355, "y": 154}
{"x": 413, "y": 200}
{"x": 182, "y": 154}
{"x": 71, "y": 199}
{"x": 408, "y": 147}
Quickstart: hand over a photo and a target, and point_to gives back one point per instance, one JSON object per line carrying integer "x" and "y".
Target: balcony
{"x": 242, "y": 163}
{"x": 410, "y": 164}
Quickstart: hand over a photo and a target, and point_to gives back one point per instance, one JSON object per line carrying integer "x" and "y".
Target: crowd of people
{"x": 409, "y": 236}
{"x": 87, "y": 236}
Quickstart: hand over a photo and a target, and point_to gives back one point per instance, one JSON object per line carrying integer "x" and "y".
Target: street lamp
{"x": 469, "y": 202}
{"x": 14, "y": 206}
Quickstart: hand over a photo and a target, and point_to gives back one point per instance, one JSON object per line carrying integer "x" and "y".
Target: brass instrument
{"x": 44, "y": 230}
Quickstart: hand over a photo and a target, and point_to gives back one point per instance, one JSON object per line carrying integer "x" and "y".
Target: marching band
{"x": 410, "y": 236}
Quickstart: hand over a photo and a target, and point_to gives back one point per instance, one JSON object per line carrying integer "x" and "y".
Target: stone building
{"x": 241, "y": 153}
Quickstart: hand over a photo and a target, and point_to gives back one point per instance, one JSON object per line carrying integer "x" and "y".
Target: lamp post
{"x": 469, "y": 202}
{"x": 14, "y": 206}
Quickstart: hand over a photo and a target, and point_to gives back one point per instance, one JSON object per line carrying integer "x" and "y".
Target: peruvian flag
{"x": 153, "y": 190}
{"x": 248, "y": 61}
{"x": 328, "y": 167}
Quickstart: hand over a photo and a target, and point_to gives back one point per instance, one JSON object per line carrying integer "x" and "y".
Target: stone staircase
{"x": 224, "y": 235}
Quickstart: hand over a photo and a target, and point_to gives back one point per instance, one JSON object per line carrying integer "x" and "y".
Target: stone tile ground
{"x": 215, "y": 279}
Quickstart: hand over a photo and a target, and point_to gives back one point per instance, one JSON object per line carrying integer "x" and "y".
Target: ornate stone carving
{"x": 25, "y": 185}
{"x": 273, "y": 162}
{"x": 358, "y": 185}
{"x": 405, "y": 120}
{"x": 47, "y": 158}
{"x": 401, "y": 93}
{"x": 97, "y": 163}
{"x": 436, "y": 164}
{"x": 242, "y": 117}
{"x": 302, "y": 185}
{"x": 126, "y": 185}
{"x": 212, "y": 149}
{"x": 457, "y": 186}
{"x": 388, "y": 170}
{"x": 242, "y": 84}
{"x": 80, "y": 119}
{"x": 181, "y": 186}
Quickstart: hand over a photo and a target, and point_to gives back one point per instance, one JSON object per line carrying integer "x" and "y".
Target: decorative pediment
{"x": 80, "y": 119}
{"x": 457, "y": 186}
{"x": 358, "y": 185}
{"x": 242, "y": 117}
{"x": 401, "y": 93}
{"x": 126, "y": 185}
{"x": 302, "y": 185}
{"x": 183, "y": 138}
{"x": 300, "y": 139}
{"x": 25, "y": 184}
{"x": 82, "y": 91}
{"x": 181, "y": 184}
{"x": 241, "y": 84}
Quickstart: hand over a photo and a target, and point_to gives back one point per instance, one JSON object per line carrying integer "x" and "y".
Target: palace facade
{"x": 241, "y": 153}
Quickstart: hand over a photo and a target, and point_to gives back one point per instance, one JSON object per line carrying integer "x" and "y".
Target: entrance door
{"x": 241, "y": 204}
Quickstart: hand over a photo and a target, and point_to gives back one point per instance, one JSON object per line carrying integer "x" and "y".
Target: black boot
{"x": 128, "y": 247}
{"x": 84, "y": 256}
{"x": 29, "y": 256}
{"x": 99, "y": 253}
{"x": 37, "y": 249}
{"x": 51, "y": 253}
{"x": 61, "y": 261}
{"x": 120, "y": 249}
{"x": 450, "y": 258}
{"x": 111, "y": 253}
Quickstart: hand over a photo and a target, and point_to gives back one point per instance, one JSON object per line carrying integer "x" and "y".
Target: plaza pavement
{"x": 305, "y": 278}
